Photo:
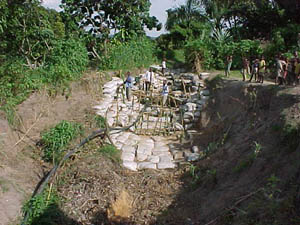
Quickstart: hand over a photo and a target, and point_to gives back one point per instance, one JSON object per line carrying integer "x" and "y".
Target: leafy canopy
{"x": 101, "y": 16}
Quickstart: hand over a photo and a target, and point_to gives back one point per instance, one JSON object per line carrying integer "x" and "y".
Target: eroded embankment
{"x": 21, "y": 167}
{"x": 251, "y": 174}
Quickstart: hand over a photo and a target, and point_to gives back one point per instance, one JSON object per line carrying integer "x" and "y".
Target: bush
{"x": 66, "y": 62}
{"x": 68, "y": 59}
{"x": 212, "y": 53}
{"x": 198, "y": 54}
{"x": 135, "y": 53}
{"x": 56, "y": 139}
{"x": 42, "y": 208}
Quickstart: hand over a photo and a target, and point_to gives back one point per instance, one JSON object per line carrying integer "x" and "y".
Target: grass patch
{"x": 100, "y": 121}
{"x": 58, "y": 138}
{"x": 237, "y": 74}
{"x": 111, "y": 152}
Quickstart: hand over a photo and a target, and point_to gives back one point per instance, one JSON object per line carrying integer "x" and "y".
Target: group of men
{"x": 148, "y": 81}
{"x": 258, "y": 69}
{"x": 287, "y": 70}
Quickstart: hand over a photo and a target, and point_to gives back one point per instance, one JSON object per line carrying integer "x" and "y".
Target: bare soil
{"x": 21, "y": 167}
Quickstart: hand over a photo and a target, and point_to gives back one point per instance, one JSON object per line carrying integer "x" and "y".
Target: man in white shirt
{"x": 164, "y": 66}
{"x": 149, "y": 78}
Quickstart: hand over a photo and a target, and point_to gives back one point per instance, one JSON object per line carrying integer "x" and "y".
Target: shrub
{"x": 199, "y": 55}
{"x": 66, "y": 62}
{"x": 68, "y": 59}
{"x": 138, "y": 52}
{"x": 42, "y": 208}
{"x": 212, "y": 53}
{"x": 57, "y": 138}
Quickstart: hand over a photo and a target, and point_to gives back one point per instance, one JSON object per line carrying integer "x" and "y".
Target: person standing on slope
{"x": 262, "y": 69}
{"x": 165, "y": 92}
{"x": 149, "y": 79}
{"x": 228, "y": 65}
{"x": 128, "y": 85}
{"x": 245, "y": 69}
{"x": 163, "y": 66}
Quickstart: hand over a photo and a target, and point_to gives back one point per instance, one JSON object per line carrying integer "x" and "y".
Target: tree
{"x": 101, "y": 16}
{"x": 184, "y": 14}
{"x": 29, "y": 33}
{"x": 292, "y": 9}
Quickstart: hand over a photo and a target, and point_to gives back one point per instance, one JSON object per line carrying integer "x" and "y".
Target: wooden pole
{"x": 139, "y": 101}
{"x": 183, "y": 84}
{"x": 132, "y": 104}
{"x": 117, "y": 117}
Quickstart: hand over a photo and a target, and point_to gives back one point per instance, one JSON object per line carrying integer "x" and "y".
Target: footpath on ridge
{"x": 150, "y": 144}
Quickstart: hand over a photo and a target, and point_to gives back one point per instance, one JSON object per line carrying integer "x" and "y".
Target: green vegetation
{"x": 100, "y": 121}
{"x": 202, "y": 176}
{"x": 135, "y": 53}
{"x": 249, "y": 160}
{"x": 210, "y": 30}
{"x": 41, "y": 47}
{"x": 110, "y": 152}
{"x": 58, "y": 138}
{"x": 267, "y": 205}
{"x": 43, "y": 208}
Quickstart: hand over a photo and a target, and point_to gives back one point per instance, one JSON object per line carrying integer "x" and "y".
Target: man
{"x": 254, "y": 70}
{"x": 128, "y": 85}
{"x": 245, "y": 70}
{"x": 164, "y": 66}
{"x": 279, "y": 69}
{"x": 297, "y": 71}
{"x": 228, "y": 65}
{"x": 294, "y": 63}
{"x": 149, "y": 78}
{"x": 262, "y": 69}
{"x": 165, "y": 92}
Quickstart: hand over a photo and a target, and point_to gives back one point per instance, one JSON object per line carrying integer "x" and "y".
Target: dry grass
{"x": 120, "y": 209}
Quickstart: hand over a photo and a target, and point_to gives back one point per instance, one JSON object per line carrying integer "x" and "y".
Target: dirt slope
{"x": 20, "y": 165}
{"x": 253, "y": 175}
